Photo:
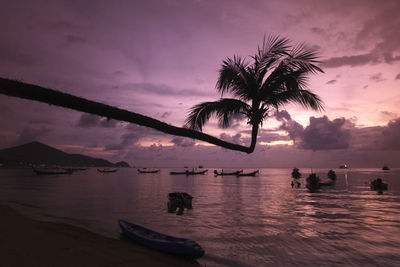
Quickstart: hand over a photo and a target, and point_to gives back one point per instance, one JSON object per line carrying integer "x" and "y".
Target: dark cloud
{"x": 377, "y": 137}
{"x": 143, "y": 131}
{"x": 30, "y": 134}
{"x": 74, "y": 39}
{"x": 293, "y": 128}
{"x": 270, "y": 136}
{"x": 381, "y": 26}
{"x": 391, "y": 135}
{"x": 377, "y": 77}
{"x": 357, "y": 60}
{"x": 318, "y": 31}
{"x": 108, "y": 123}
{"x": 323, "y": 134}
{"x": 183, "y": 142}
{"x": 127, "y": 140}
{"x": 166, "y": 115}
{"x": 397, "y": 77}
{"x": 282, "y": 115}
{"x": 236, "y": 139}
{"x": 331, "y": 82}
{"x": 89, "y": 120}
{"x": 387, "y": 114}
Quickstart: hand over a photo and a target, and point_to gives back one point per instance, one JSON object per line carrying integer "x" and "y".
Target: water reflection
{"x": 246, "y": 221}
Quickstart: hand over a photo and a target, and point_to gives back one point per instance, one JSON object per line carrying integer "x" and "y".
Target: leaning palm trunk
{"x": 53, "y": 97}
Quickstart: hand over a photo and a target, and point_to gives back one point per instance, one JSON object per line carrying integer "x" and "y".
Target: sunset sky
{"x": 159, "y": 58}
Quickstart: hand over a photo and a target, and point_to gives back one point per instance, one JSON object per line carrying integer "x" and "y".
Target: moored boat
{"x": 187, "y": 172}
{"x": 255, "y": 173}
{"x": 51, "y": 171}
{"x": 222, "y": 173}
{"x": 147, "y": 171}
{"x": 169, "y": 244}
{"x": 107, "y": 170}
{"x": 75, "y": 169}
{"x": 385, "y": 168}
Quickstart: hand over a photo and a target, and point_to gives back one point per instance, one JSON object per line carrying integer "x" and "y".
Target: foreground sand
{"x": 26, "y": 242}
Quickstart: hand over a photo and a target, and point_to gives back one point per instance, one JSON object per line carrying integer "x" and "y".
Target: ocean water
{"x": 246, "y": 221}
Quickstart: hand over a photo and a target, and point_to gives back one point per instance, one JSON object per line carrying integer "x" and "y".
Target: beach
{"x": 28, "y": 242}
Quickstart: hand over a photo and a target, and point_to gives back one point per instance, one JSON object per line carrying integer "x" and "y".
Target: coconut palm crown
{"x": 277, "y": 75}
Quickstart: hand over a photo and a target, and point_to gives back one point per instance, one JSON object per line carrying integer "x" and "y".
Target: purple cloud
{"x": 270, "y": 136}
{"x": 183, "y": 142}
{"x": 236, "y": 139}
{"x": 282, "y": 115}
{"x": 293, "y": 128}
{"x": 89, "y": 120}
{"x": 357, "y": 60}
{"x": 377, "y": 77}
{"x": 127, "y": 141}
{"x": 108, "y": 123}
{"x": 323, "y": 134}
{"x": 331, "y": 82}
{"x": 30, "y": 134}
{"x": 391, "y": 134}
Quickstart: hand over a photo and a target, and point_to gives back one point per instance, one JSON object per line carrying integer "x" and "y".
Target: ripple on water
{"x": 251, "y": 221}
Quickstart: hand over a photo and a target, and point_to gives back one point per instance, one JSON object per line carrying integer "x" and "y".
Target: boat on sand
{"x": 165, "y": 243}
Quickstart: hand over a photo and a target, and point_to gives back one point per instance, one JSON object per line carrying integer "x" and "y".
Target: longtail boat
{"x": 255, "y": 173}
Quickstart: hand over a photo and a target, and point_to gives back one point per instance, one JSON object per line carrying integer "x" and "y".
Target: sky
{"x": 159, "y": 58}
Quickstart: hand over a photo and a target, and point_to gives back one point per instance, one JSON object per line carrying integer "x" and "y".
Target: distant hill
{"x": 38, "y": 153}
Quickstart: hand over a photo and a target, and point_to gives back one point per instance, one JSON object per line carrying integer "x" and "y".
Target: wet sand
{"x": 27, "y": 242}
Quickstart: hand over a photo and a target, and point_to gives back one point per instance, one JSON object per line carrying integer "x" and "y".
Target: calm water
{"x": 247, "y": 221}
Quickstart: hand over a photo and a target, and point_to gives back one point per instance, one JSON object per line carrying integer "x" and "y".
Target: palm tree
{"x": 276, "y": 76}
{"x": 287, "y": 71}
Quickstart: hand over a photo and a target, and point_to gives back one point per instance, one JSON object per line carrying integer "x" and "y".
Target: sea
{"x": 245, "y": 221}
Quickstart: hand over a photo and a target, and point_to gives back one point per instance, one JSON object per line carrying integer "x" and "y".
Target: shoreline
{"x": 29, "y": 242}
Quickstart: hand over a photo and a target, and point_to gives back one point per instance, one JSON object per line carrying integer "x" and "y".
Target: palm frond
{"x": 303, "y": 97}
{"x": 236, "y": 77}
{"x": 272, "y": 50}
{"x": 224, "y": 110}
{"x": 303, "y": 57}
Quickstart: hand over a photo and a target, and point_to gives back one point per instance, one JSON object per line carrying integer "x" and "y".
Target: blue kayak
{"x": 174, "y": 245}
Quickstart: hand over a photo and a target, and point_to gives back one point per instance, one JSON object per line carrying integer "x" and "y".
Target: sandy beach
{"x": 27, "y": 242}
